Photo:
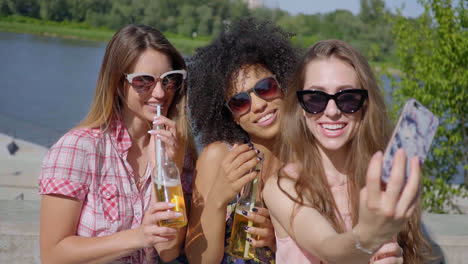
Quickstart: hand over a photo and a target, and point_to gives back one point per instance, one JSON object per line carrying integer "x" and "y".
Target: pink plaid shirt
{"x": 92, "y": 166}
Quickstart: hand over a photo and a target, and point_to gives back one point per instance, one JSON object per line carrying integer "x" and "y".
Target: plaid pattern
{"x": 90, "y": 165}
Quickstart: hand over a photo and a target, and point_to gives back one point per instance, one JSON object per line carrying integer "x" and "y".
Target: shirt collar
{"x": 120, "y": 135}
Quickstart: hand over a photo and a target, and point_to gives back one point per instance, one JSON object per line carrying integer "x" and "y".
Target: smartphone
{"x": 413, "y": 132}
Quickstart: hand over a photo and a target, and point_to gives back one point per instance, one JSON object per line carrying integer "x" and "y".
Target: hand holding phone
{"x": 414, "y": 132}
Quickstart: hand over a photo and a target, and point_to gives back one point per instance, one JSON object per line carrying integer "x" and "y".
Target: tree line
{"x": 369, "y": 30}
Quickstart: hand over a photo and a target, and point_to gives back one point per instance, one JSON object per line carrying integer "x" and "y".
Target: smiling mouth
{"x": 333, "y": 127}
{"x": 265, "y": 117}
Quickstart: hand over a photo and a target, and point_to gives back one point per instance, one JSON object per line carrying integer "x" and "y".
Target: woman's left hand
{"x": 265, "y": 228}
{"x": 389, "y": 253}
{"x": 168, "y": 135}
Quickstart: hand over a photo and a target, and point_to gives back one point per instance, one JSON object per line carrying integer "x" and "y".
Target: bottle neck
{"x": 251, "y": 190}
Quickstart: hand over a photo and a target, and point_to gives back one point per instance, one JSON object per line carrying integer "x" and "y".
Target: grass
{"x": 75, "y": 30}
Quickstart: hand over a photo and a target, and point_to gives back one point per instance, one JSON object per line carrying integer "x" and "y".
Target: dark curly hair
{"x": 214, "y": 67}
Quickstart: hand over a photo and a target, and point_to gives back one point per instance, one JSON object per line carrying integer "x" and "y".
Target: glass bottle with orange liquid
{"x": 166, "y": 183}
{"x": 239, "y": 247}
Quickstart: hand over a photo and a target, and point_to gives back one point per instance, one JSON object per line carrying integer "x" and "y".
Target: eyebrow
{"x": 341, "y": 87}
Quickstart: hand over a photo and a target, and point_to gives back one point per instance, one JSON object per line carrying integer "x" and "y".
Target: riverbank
{"x": 74, "y": 30}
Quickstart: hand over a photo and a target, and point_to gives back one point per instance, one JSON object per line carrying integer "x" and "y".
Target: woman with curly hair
{"x": 326, "y": 201}
{"x": 236, "y": 88}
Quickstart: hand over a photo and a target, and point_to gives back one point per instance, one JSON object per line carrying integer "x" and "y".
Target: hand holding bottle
{"x": 149, "y": 231}
{"x": 234, "y": 173}
{"x": 165, "y": 176}
{"x": 262, "y": 229}
{"x": 167, "y": 134}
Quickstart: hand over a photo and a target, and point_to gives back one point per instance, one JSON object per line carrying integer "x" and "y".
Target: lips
{"x": 153, "y": 105}
{"x": 333, "y": 129}
{"x": 267, "y": 119}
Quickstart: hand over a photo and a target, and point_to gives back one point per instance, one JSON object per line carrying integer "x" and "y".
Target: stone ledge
{"x": 19, "y": 234}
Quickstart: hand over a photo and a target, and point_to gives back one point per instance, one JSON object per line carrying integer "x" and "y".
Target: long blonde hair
{"x": 122, "y": 52}
{"x": 298, "y": 146}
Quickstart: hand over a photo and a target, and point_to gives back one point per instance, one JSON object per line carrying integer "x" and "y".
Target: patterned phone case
{"x": 414, "y": 132}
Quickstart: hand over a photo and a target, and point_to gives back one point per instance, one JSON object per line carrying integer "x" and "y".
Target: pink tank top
{"x": 287, "y": 251}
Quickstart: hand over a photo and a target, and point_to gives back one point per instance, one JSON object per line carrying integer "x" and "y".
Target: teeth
{"x": 332, "y": 126}
{"x": 153, "y": 104}
{"x": 266, "y": 117}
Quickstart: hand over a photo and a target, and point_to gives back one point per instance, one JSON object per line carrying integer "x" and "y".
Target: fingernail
{"x": 246, "y": 228}
{"x": 150, "y": 131}
{"x": 178, "y": 214}
{"x": 257, "y": 151}
{"x": 244, "y": 212}
{"x": 248, "y": 239}
{"x": 171, "y": 204}
{"x": 255, "y": 209}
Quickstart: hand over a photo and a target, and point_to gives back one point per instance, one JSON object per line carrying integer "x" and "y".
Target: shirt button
{"x": 107, "y": 194}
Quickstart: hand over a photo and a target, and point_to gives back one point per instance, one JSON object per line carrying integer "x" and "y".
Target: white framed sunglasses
{"x": 144, "y": 82}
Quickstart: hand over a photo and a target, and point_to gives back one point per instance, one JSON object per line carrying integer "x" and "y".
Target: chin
{"x": 332, "y": 146}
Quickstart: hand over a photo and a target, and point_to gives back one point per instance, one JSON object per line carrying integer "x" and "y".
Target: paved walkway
{"x": 19, "y": 172}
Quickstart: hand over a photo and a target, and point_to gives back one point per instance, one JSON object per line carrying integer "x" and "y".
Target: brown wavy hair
{"x": 121, "y": 54}
{"x": 298, "y": 146}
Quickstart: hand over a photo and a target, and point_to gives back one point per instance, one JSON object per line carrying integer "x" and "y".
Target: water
{"x": 47, "y": 84}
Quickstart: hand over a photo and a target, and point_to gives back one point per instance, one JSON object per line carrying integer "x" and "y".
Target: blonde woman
{"x": 97, "y": 203}
{"x": 326, "y": 203}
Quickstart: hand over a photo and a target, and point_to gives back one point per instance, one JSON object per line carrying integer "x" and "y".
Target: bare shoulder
{"x": 213, "y": 152}
{"x": 208, "y": 164}
{"x": 276, "y": 186}
{"x": 281, "y": 188}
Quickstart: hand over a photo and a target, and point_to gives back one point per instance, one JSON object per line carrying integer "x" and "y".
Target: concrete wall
{"x": 19, "y": 234}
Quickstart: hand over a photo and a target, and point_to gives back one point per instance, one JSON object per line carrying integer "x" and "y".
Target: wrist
{"x": 135, "y": 241}
{"x": 215, "y": 202}
{"x": 363, "y": 242}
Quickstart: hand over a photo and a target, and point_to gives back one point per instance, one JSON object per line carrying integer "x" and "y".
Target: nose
{"x": 258, "y": 104}
{"x": 158, "y": 91}
{"x": 332, "y": 109}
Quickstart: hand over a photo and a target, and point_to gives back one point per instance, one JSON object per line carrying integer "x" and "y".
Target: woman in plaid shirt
{"x": 97, "y": 203}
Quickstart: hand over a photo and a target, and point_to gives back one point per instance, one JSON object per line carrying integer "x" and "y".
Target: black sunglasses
{"x": 348, "y": 101}
{"x": 144, "y": 82}
{"x": 267, "y": 88}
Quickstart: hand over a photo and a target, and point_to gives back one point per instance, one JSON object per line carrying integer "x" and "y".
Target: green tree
{"x": 433, "y": 54}
{"x": 205, "y": 16}
{"x": 187, "y": 21}
{"x": 371, "y": 11}
{"x": 56, "y": 10}
{"x": 22, "y": 7}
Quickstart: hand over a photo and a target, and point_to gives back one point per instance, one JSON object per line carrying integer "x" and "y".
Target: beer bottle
{"x": 239, "y": 245}
{"x": 166, "y": 183}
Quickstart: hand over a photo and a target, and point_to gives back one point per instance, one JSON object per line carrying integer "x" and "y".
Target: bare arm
{"x": 59, "y": 243}
{"x": 219, "y": 177}
{"x": 382, "y": 215}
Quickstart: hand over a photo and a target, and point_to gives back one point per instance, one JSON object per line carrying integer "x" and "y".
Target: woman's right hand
{"x": 232, "y": 173}
{"x": 383, "y": 213}
{"x": 150, "y": 233}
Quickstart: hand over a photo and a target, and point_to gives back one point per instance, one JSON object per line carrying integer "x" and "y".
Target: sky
{"x": 412, "y": 7}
